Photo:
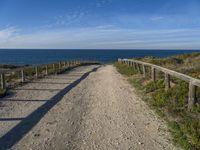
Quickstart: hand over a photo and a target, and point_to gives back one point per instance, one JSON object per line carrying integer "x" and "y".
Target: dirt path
{"x": 100, "y": 112}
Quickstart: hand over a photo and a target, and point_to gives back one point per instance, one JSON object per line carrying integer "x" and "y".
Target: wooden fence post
{"x": 59, "y": 65}
{"x": 167, "y": 81}
{"x": 153, "y": 73}
{"x": 131, "y": 64}
{"x": 54, "y": 68}
{"x": 22, "y": 74}
{"x": 3, "y": 82}
{"x": 36, "y": 72}
{"x": 191, "y": 96}
{"x": 139, "y": 70}
{"x": 47, "y": 72}
{"x": 144, "y": 71}
{"x": 134, "y": 64}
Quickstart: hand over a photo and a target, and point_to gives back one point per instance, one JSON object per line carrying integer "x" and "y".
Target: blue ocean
{"x": 36, "y": 56}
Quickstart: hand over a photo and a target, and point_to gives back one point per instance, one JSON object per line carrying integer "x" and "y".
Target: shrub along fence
{"x": 143, "y": 66}
{"x": 12, "y": 77}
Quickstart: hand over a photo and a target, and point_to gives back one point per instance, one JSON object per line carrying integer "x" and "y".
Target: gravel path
{"x": 101, "y": 112}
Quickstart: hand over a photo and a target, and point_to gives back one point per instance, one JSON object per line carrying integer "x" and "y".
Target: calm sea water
{"x": 17, "y": 56}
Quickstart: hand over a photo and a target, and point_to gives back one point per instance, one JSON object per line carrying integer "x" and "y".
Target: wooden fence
{"x": 36, "y": 71}
{"x": 193, "y": 83}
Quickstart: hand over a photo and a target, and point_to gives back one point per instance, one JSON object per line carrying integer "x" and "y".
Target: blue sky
{"x": 130, "y": 24}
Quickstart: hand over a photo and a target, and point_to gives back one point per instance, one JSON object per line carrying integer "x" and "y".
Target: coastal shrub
{"x": 191, "y": 127}
{"x": 7, "y": 66}
{"x": 2, "y": 92}
{"x": 177, "y": 97}
{"x": 160, "y": 98}
{"x": 30, "y": 72}
{"x": 154, "y": 85}
{"x": 12, "y": 76}
{"x": 179, "y": 138}
{"x": 125, "y": 69}
{"x": 137, "y": 83}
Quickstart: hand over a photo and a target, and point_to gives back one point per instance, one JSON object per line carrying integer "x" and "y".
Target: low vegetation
{"x": 170, "y": 104}
{"x": 2, "y": 92}
{"x": 185, "y": 63}
{"x": 6, "y": 66}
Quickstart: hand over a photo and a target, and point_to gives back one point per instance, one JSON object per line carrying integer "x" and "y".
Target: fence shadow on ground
{"x": 20, "y": 130}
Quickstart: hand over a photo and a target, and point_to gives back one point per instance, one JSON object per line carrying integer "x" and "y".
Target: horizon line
{"x": 96, "y": 49}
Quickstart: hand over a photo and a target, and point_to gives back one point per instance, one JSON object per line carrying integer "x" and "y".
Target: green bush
{"x": 191, "y": 127}
{"x": 179, "y": 138}
{"x": 160, "y": 98}
{"x": 2, "y": 92}
{"x": 154, "y": 85}
{"x": 137, "y": 83}
{"x": 177, "y": 97}
{"x": 125, "y": 69}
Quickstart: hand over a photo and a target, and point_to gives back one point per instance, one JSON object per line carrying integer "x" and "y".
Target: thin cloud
{"x": 156, "y": 18}
{"x": 101, "y": 38}
{"x": 7, "y": 33}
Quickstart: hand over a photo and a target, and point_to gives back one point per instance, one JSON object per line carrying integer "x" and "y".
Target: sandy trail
{"x": 101, "y": 112}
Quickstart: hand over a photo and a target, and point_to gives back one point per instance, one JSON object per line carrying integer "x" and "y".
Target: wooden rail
{"x": 193, "y": 82}
{"x": 39, "y": 70}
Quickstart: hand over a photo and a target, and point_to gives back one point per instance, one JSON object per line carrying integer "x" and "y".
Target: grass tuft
{"x": 125, "y": 69}
{"x": 2, "y": 92}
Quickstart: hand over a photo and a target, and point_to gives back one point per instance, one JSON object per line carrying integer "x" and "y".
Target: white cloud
{"x": 156, "y": 18}
{"x": 101, "y": 37}
{"x": 7, "y": 33}
{"x": 101, "y": 3}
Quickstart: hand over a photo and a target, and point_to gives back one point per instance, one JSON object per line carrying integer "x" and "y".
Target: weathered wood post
{"x": 46, "y": 71}
{"x": 129, "y": 63}
{"x": 135, "y": 67}
{"x": 153, "y": 73}
{"x": 3, "y": 82}
{"x": 67, "y": 64}
{"x": 167, "y": 81}
{"x": 74, "y": 62}
{"x": 191, "y": 96}
{"x": 138, "y": 66}
{"x": 54, "y": 68}
{"x": 64, "y": 64}
{"x": 60, "y": 66}
{"x": 36, "y": 72}
{"x": 23, "y": 76}
{"x": 144, "y": 71}
{"x": 118, "y": 60}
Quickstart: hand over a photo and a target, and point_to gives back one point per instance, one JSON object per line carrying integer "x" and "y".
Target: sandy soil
{"x": 97, "y": 110}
